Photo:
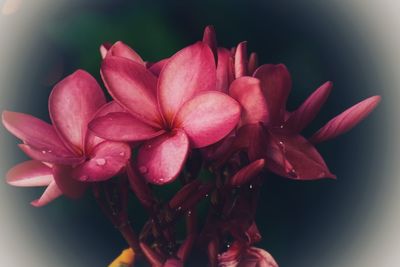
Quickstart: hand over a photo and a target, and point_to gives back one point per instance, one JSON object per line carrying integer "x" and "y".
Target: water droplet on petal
{"x": 281, "y": 126}
{"x": 49, "y": 151}
{"x": 206, "y": 195}
{"x": 101, "y": 162}
{"x": 251, "y": 186}
{"x": 148, "y": 146}
{"x": 179, "y": 208}
{"x": 189, "y": 213}
{"x": 44, "y": 151}
{"x": 293, "y": 173}
{"x": 122, "y": 154}
{"x": 143, "y": 170}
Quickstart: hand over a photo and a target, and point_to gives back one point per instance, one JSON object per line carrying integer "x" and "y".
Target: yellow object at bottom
{"x": 125, "y": 259}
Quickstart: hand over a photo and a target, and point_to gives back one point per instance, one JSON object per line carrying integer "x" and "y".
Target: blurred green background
{"x": 302, "y": 223}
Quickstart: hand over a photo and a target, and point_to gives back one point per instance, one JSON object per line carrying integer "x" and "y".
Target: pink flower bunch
{"x": 204, "y": 108}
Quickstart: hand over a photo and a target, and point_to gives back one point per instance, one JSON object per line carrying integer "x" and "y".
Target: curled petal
{"x": 72, "y": 104}
{"x": 210, "y": 39}
{"x": 208, "y": 118}
{"x": 140, "y": 187}
{"x": 300, "y": 118}
{"x": 121, "y": 126}
{"x": 253, "y": 63}
{"x": 68, "y": 186}
{"x": 106, "y": 160}
{"x": 119, "y": 49}
{"x": 154, "y": 258}
{"x": 183, "y": 194}
{"x": 34, "y": 132}
{"x": 133, "y": 87}
{"x": 188, "y": 72}
{"x": 253, "y": 234}
{"x": 246, "y": 174}
{"x": 52, "y": 192}
{"x": 247, "y": 91}
{"x": 161, "y": 159}
{"x": 50, "y": 156}
{"x": 241, "y": 60}
{"x": 29, "y": 173}
{"x": 346, "y": 120}
{"x": 258, "y": 257}
{"x": 296, "y": 158}
{"x": 224, "y": 70}
{"x": 276, "y": 84}
{"x": 193, "y": 199}
{"x": 104, "y": 47}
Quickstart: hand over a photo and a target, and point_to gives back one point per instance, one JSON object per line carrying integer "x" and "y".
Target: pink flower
{"x": 240, "y": 255}
{"x": 66, "y": 154}
{"x": 178, "y": 111}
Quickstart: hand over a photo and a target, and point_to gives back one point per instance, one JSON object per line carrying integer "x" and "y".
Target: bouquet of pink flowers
{"x": 206, "y": 108}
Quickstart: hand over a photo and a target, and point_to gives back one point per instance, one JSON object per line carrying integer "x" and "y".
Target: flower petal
{"x": 161, "y": 159}
{"x": 173, "y": 263}
{"x": 50, "y": 156}
{"x": 52, "y": 192}
{"x": 68, "y": 186}
{"x": 72, "y": 104}
{"x": 253, "y": 63}
{"x": 210, "y": 39}
{"x": 276, "y": 84}
{"x": 133, "y": 87}
{"x": 241, "y": 60}
{"x": 224, "y": 70}
{"x": 106, "y": 160}
{"x": 296, "y": 158}
{"x": 258, "y": 257}
{"x": 34, "y": 132}
{"x": 188, "y": 72}
{"x": 245, "y": 174}
{"x": 208, "y": 118}
{"x": 156, "y": 67}
{"x": 104, "y": 47}
{"x": 247, "y": 91}
{"x": 121, "y": 126}
{"x": 300, "y": 118}
{"x": 119, "y": 49}
{"x": 91, "y": 139}
{"x": 30, "y": 173}
{"x": 346, "y": 120}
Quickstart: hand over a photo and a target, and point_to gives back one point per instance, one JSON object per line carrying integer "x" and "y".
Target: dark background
{"x": 303, "y": 223}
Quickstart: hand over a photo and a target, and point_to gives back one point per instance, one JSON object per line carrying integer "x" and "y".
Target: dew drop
{"x": 143, "y": 170}
{"x": 179, "y": 208}
{"x": 49, "y": 151}
{"x": 206, "y": 195}
{"x": 292, "y": 173}
{"x": 189, "y": 213}
{"x": 122, "y": 154}
{"x": 281, "y": 143}
{"x": 101, "y": 162}
{"x": 148, "y": 146}
{"x": 281, "y": 126}
{"x": 44, "y": 151}
{"x": 251, "y": 186}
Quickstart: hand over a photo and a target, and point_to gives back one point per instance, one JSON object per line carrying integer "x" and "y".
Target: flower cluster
{"x": 204, "y": 108}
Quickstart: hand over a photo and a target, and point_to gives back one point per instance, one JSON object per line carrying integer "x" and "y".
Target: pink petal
{"x": 253, "y": 63}
{"x": 208, "y": 118}
{"x": 119, "y": 49}
{"x": 258, "y": 257}
{"x": 72, "y": 104}
{"x": 91, "y": 139}
{"x": 276, "y": 84}
{"x": 34, "y": 132}
{"x": 346, "y": 120}
{"x": 52, "y": 192}
{"x": 140, "y": 187}
{"x": 29, "y": 173}
{"x": 133, "y": 87}
{"x": 121, "y": 126}
{"x": 247, "y": 91}
{"x": 68, "y": 186}
{"x": 224, "y": 70}
{"x": 173, "y": 263}
{"x": 156, "y": 67}
{"x": 188, "y": 72}
{"x": 50, "y": 156}
{"x": 248, "y": 172}
{"x": 104, "y": 47}
{"x": 161, "y": 159}
{"x": 106, "y": 160}
{"x": 296, "y": 158}
{"x": 241, "y": 60}
{"x": 183, "y": 194}
{"x": 210, "y": 39}
{"x": 300, "y": 118}
{"x": 154, "y": 258}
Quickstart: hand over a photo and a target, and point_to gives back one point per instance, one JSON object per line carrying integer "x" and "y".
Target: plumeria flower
{"x": 239, "y": 255}
{"x": 267, "y": 129}
{"x": 173, "y": 113}
{"x": 65, "y": 154}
